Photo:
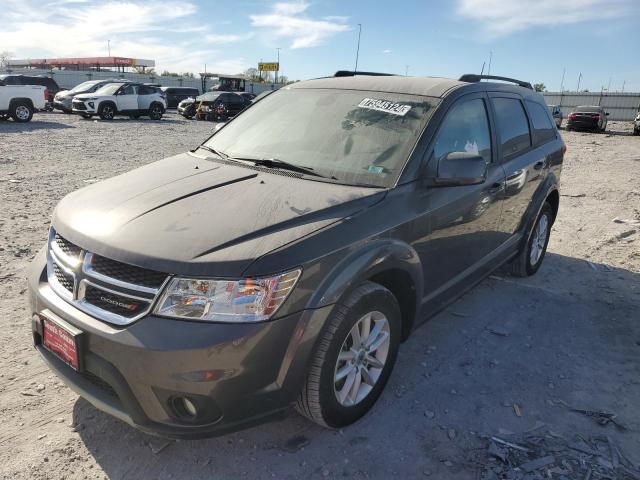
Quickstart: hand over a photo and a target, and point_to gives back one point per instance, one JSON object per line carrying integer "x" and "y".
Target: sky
{"x": 533, "y": 40}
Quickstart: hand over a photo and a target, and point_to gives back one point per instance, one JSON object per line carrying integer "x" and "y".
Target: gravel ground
{"x": 511, "y": 355}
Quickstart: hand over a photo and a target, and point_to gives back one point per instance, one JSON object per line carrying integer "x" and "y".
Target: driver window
{"x": 465, "y": 129}
{"x": 128, "y": 90}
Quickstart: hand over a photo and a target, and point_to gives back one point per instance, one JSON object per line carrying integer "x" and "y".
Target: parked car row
{"x": 215, "y": 105}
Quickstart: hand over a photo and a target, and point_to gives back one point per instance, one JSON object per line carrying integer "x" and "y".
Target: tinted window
{"x": 465, "y": 129}
{"x": 541, "y": 122}
{"x": 12, "y": 81}
{"x": 129, "y": 90}
{"x": 145, "y": 90}
{"x": 513, "y": 126}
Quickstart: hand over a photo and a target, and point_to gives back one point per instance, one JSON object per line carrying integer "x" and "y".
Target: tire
{"x": 155, "y": 111}
{"x": 530, "y": 258}
{"x": 330, "y": 402}
{"x": 107, "y": 111}
{"x": 636, "y": 132}
{"x": 21, "y": 112}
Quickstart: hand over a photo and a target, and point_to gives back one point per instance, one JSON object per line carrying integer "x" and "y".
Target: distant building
{"x": 83, "y": 63}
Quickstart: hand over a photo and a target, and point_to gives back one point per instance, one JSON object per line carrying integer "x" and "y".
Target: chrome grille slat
{"x": 72, "y": 273}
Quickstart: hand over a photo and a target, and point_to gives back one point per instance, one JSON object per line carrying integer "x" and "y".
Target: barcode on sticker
{"x": 385, "y": 106}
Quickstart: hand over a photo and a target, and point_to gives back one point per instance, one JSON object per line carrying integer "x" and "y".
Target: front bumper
{"x": 64, "y": 105}
{"x": 583, "y": 125}
{"x": 237, "y": 374}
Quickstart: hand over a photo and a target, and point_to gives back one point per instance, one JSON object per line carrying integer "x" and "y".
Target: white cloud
{"x": 80, "y": 28}
{"x": 227, "y": 38}
{"x": 386, "y": 51}
{"x": 287, "y": 20}
{"x": 503, "y": 17}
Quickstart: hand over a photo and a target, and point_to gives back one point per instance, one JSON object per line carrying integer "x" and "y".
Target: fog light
{"x": 189, "y": 407}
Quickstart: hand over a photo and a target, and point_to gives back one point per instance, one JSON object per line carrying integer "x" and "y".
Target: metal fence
{"x": 620, "y": 106}
{"x": 70, "y": 78}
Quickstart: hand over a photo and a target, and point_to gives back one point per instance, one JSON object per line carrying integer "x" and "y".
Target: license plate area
{"x": 63, "y": 340}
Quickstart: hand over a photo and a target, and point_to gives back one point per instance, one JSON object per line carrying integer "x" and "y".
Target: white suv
{"x": 132, "y": 99}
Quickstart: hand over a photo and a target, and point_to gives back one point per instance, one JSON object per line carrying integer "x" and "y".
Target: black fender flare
{"x": 373, "y": 258}
{"x": 105, "y": 102}
{"x": 26, "y": 100}
{"x": 546, "y": 188}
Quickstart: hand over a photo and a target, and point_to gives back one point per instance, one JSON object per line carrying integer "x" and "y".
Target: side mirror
{"x": 461, "y": 168}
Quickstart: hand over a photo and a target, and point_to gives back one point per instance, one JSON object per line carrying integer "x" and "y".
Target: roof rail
{"x": 350, "y": 73}
{"x": 473, "y": 78}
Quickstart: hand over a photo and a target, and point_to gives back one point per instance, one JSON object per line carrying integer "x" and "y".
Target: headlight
{"x": 230, "y": 301}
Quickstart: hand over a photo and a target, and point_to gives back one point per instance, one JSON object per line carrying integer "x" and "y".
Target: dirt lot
{"x": 510, "y": 356}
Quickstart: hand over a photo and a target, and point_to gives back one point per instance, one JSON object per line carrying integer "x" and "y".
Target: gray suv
{"x": 286, "y": 259}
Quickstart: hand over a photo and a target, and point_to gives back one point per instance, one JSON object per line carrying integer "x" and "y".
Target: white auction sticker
{"x": 385, "y": 106}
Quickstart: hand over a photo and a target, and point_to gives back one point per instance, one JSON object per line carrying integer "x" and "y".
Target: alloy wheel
{"x": 362, "y": 358}
{"x": 539, "y": 239}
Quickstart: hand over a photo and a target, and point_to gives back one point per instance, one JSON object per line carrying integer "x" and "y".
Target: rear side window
{"x": 542, "y": 125}
{"x": 513, "y": 126}
{"x": 465, "y": 129}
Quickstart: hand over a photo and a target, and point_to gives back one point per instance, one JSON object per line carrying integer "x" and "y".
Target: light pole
{"x": 278, "y": 70}
{"x": 579, "y": 78}
{"x": 358, "y": 49}
{"x": 109, "y": 47}
{"x": 406, "y": 70}
{"x": 562, "y": 81}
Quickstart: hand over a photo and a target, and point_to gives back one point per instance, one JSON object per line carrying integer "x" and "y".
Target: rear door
{"x": 461, "y": 224}
{"x": 525, "y": 163}
{"x": 145, "y": 97}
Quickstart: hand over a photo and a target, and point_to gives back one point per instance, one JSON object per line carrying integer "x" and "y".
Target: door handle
{"x": 539, "y": 165}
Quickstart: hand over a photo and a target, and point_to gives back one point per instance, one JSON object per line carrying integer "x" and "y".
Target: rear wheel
{"x": 107, "y": 111}
{"x": 21, "y": 112}
{"x": 155, "y": 111}
{"x": 354, "y": 358}
{"x": 530, "y": 257}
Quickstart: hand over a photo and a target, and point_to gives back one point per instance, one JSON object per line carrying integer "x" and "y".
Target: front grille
{"x": 67, "y": 247}
{"x": 128, "y": 273}
{"x": 98, "y": 382}
{"x": 110, "y": 302}
{"x": 109, "y": 290}
{"x": 63, "y": 278}
{"x": 79, "y": 106}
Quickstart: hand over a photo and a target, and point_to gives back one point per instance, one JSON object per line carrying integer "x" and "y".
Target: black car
{"x": 587, "y": 117}
{"x": 286, "y": 259}
{"x": 176, "y": 94}
{"x": 218, "y": 106}
{"x": 18, "y": 79}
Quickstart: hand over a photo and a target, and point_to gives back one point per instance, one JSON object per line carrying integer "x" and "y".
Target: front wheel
{"x": 354, "y": 358}
{"x": 107, "y": 111}
{"x": 530, "y": 257}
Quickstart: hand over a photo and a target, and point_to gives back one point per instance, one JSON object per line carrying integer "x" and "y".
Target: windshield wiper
{"x": 282, "y": 165}
{"x": 213, "y": 150}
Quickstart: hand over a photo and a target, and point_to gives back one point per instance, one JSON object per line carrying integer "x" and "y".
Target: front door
{"x": 461, "y": 224}
{"x": 127, "y": 98}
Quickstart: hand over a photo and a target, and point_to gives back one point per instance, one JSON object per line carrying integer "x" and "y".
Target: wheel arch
{"x": 391, "y": 263}
{"x": 102, "y": 103}
{"x": 26, "y": 100}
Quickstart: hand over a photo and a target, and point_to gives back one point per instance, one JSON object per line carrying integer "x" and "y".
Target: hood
{"x": 189, "y": 215}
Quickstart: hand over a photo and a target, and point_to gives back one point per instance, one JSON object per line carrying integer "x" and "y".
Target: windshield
{"x": 355, "y": 137}
{"x": 108, "y": 89}
{"x": 83, "y": 87}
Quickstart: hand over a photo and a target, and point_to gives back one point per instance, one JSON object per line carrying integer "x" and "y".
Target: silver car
{"x": 62, "y": 100}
